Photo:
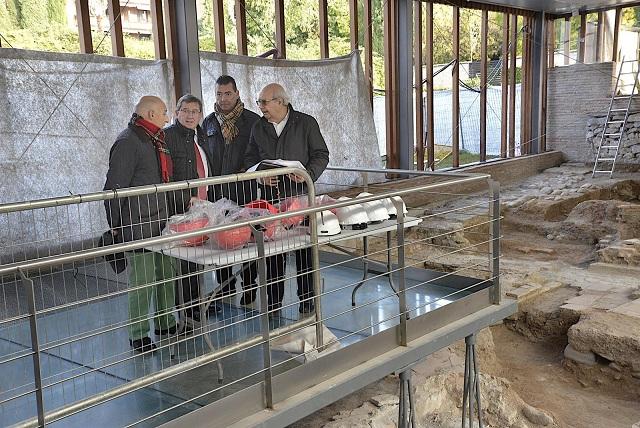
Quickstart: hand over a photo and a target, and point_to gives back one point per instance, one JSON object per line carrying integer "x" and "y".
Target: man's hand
{"x": 114, "y": 232}
{"x": 295, "y": 177}
{"x": 270, "y": 181}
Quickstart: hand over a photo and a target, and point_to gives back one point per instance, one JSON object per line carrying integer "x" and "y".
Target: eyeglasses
{"x": 190, "y": 112}
{"x": 264, "y": 102}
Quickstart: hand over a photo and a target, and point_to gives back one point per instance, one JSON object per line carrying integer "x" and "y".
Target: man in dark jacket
{"x": 191, "y": 160}
{"x": 284, "y": 133}
{"x": 227, "y": 132}
{"x": 139, "y": 157}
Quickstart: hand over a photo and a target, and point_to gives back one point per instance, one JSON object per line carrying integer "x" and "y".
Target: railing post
{"x": 264, "y": 318}
{"x": 35, "y": 345}
{"x": 315, "y": 265}
{"x": 402, "y": 299}
{"x": 494, "y": 244}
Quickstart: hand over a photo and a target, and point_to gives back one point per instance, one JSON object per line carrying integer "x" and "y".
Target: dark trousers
{"x": 190, "y": 284}
{"x": 276, "y": 268}
{"x": 225, "y": 276}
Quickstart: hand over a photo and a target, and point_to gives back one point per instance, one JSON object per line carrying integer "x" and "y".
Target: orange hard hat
{"x": 188, "y": 225}
{"x": 292, "y": 204}
{"x": 232, "y": 239}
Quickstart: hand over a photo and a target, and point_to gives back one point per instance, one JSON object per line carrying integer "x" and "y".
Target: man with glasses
{"x": 191, "y": 160}
{"x": 284, "y": 133}
{"x": 227, "y": 130}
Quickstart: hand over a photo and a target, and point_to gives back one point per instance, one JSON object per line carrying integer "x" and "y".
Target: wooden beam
{"x": 486, "y": 6}
{"x": 548, "y": 51}
{"x": 567, "y": 40}
{"x": 529, "y": 87}
{"x": 368, "y": 44}
{"x": 324, "y": 28}
{"x": 504, "y": 85}
{"x": 218, "y": 25}
{"x": 551, "y": 43}
{"x": 600, "y": 36}
{"x": 429, "y": 77}
{"x": 582, "y": 36}
{"x": 455, "y": 89}
{"x": 484, "y": 35}
{"x": 390, "y": 77}
{"x": 115, "y": 22}
{"x": 353, "y": 20}
{"x": 157, "y": 25}
{"x": 524, "y": 86}
{"x": 417, "y": 69}
{"x": 241, "y": 27}
{"x": 616, "y": 34}
{"x": 281, "y": 43}
{"x": 512, "y": 85}
{"x": 169, "y": 7}
{"x": 84, "y": 26}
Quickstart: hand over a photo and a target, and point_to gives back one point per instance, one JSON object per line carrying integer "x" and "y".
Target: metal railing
{"x": 64, "y": 318}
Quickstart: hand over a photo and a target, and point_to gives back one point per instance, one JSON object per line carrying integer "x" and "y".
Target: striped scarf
{"x": 156, "y": 135}
{"x": 228, "y": 125}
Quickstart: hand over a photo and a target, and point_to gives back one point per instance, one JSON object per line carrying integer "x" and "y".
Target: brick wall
{"x": 576, "y": 93}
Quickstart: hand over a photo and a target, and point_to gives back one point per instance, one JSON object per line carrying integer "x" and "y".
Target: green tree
{"x": 11, "y": 9}
{"x": 32, "y": 13}
{"x": 56, "y": 12}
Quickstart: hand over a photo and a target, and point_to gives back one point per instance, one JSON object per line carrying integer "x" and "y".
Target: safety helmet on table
{"x": 328, "y": 224}
{"x": 352, "y": 216}
{"x": 292, "y": 204}
{"x": 232, "y": 239}
{"x": 259, "y": 208}
{"x": 391, "y": 207}
{"x": 182, "y": 223}
{"x": 376, "y": 211}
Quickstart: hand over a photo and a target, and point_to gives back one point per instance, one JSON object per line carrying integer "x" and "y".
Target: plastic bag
{"x": 293, "y": 204}
{"x": 186, "y": 223}
{"x": 216, "y": 211}
{"x": 237, "y": 237}
{"x": 261, "y": 208}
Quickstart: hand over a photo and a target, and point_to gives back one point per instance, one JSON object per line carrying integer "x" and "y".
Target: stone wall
{"x": 630, "y": 148}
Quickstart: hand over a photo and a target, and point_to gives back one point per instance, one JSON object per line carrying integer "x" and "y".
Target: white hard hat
{"x": 352, "y": 216}
{"x": 328, "y": 224}
{"x": 376, "y": 211}
{"x": 391, "y": 207}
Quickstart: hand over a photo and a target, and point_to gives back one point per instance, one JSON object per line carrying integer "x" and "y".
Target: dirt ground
{"x": 539, "y": 235}
{"x": 536, "y": 373}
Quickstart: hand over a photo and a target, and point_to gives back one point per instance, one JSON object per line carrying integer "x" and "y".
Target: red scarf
{"x": 156, "y": 134}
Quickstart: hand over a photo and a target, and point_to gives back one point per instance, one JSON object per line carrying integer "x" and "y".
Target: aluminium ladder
{"x": 615, "y": 123}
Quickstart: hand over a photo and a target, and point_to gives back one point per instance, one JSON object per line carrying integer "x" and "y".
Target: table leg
{"x": 365, "y": 269}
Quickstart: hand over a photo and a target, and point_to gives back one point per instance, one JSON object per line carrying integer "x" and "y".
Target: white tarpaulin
{"x": 332, "y": 90}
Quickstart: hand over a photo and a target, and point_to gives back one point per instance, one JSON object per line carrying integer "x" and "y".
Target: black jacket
{"x": 179, "y": 140}
{"x": 300, "y": 140}
{"x": 133, "y": 161}
{"x": 229, "y": 158}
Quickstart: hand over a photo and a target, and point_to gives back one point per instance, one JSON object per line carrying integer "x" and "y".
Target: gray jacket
{"x": 133, "y": 161}
{"x": 300, "y": 140}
